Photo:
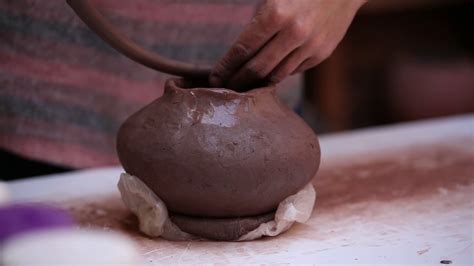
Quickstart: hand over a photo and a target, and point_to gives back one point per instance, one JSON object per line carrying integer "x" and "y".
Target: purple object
{"x": 20, "y": 218}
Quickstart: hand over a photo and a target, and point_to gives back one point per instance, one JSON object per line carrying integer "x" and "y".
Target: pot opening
{"x": 202, "y": 84}
{"x": 192, "y": 83}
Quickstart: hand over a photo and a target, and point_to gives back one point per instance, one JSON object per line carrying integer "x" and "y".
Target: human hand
{"x": 285, "y": 37}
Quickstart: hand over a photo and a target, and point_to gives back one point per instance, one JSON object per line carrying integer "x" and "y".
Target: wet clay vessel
{"x": 220, "y": 160}
{"x": 218, "y": 153}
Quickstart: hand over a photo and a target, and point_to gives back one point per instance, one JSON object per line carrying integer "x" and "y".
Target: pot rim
{"x": 186, "y": 85}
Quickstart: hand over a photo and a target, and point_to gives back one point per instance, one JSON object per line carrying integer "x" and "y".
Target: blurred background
{"x": 401, "y": 60}
{"x": 64, "y": 92}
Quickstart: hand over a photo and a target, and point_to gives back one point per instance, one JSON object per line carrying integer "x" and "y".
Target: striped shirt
{"x": 64, "y": 92}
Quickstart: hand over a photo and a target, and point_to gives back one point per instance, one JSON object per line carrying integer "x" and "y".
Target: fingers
{"x": 262, "y": 28}
{"x": 287, "y": 66}
{"x": 305, "y": 65}
{"x": 316, "y": 59}
{"x": 284, "y": 38}
{"x": 307, "y": 56}
{"x": 258, "y": 69}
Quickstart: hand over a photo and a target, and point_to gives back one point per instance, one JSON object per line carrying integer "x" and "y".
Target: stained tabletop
{"x": 399, "y": 194}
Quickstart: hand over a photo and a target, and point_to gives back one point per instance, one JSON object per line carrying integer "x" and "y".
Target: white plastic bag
{"x": 154, "y": 221}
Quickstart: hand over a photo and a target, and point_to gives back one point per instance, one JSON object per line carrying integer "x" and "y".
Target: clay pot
{"x": 221, "y": 161}
{"x": 218, "y": 153}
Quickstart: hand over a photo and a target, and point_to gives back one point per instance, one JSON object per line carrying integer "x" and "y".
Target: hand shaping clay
{"x": 218, "y": 153}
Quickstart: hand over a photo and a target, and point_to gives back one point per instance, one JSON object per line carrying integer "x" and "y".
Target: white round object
{"x": 69, "y": 247}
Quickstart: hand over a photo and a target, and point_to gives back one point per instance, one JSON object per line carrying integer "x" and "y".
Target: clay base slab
{"x": 223, "y": 229}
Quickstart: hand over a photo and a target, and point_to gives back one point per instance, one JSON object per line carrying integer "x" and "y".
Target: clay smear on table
{"x": 406, "y": 174}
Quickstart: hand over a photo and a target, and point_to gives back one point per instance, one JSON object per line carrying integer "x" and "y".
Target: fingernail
{"x": 215, "y": 81}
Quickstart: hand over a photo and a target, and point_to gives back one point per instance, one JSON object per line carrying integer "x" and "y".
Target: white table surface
{"x": 400, "y": 230}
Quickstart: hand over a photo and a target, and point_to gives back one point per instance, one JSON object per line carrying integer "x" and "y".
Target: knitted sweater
{"x": 64, "y": 92}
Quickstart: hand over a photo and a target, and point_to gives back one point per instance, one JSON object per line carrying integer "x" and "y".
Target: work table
{"x": 395, "y": 194}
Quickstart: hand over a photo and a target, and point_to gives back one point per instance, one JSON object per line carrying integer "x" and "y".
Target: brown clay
{"x": 223, "y": 229}
{"x": 218, "y": 153}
